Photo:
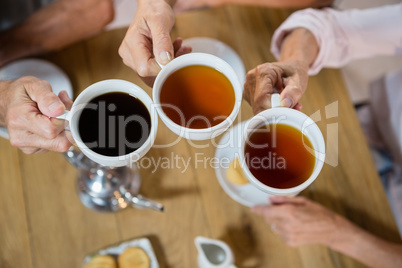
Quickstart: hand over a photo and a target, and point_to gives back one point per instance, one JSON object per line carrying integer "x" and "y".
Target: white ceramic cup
{"x": 100, "y": 88}
{"x": 198, "y": 59}
{"x": 292, "y": 118}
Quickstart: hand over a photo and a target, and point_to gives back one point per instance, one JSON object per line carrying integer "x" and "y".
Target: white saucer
{"x": 38, "y": 68}
{"x": 228, "y": 149}
{"x": 219, "y": 49}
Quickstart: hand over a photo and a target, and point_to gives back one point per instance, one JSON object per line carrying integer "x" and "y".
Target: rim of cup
{"x": 192, "y": 59}
{"x": 109, "y": 86}
{"x": 312, "y": 131}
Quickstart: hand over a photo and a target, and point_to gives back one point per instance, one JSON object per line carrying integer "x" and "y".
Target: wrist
{"x": 6, "y": 53}
{"x": 299, "y": 45}
{"x": 344, "y": 235}
{"x": 14, "y": 44}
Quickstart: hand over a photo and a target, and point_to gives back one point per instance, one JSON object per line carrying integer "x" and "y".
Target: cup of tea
{"x": 197, "y": 96}
{"x": 113, "y": 122}
{"x": 282, "y": 150}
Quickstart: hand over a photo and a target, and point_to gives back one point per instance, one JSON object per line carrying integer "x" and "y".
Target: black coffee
{"x": 114, "y": 124}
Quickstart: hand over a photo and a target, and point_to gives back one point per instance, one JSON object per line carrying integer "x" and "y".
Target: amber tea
{"x": 197, "y": 97}
{"x": 279, "y": 156}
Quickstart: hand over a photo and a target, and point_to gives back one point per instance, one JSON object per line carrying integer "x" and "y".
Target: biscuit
{"x": 101, "y": 261}
{"x": 134, "y": 257}
{"x": 235, "y": 173}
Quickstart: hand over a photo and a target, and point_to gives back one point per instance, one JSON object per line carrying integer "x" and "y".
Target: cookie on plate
{"x": 101, "y": 261}
{"x": 134, "y": 257}
{"x": 235, "y": 173}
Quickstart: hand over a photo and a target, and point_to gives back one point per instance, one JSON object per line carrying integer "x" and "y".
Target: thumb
{"x": 163, "y": 47}
{"x": 48, "y": 103}
{"x": 291, "y": 95}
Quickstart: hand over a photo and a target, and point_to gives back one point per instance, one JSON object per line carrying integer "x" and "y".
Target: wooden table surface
{"x": 44, "y": 224}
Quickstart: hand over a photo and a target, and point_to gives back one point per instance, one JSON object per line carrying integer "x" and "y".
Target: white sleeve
{"x": 343, "y": 36}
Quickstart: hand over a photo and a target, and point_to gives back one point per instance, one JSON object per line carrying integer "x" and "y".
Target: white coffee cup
{"x": 198, "y": 59}
{"x": 100, "y": 88}
{"x": 292, "y": 118}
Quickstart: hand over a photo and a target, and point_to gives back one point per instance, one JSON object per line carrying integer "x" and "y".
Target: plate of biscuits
{"x": 137, "y": 253}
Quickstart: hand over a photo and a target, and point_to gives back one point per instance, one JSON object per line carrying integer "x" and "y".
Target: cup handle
{"x": 65, "y": 116}
{"x": 160, "y": 65}
{"x": 275, "y": 100}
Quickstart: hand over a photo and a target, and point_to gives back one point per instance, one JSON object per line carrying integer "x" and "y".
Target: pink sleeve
{"x": 346, "y": 35}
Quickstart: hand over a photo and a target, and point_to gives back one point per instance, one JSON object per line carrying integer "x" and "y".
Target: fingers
{"x": 42, "y": 127}
{"x": 264, "y": 87}
{"x": 148, "y": 39}
{"x": 281, "y": 208}
{"x": 298, "y": 106}
{"x": 291, "y": 94}
{"x": 162, "y": 44}
{"x": 288, "y": 199}
{"x": 295, "y": 80}
{"x": 31, "y": 143}
{"x": 270, "y": 213}
{"x": 268, "y": 78}
{"x": 30, "y": 127}
{"x": 63, "y": 96}
{"x": 179, "y": 49}
{"x": 260, "y": 84}
{"x": 177, "y": 44}
{"x": 23, "y": 114}
{"x": 136, "y": 52}
{"x": 249, "y": 86}
{"x": 259, "y": 210}
{"x": 48, "y": 103}
{"x": 183, "y": 50}
{"x": 30, "y": 119}
{"x": 299, "y": 221}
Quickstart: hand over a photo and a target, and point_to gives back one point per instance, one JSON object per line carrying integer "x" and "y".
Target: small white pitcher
{"x": 213, "y": 253}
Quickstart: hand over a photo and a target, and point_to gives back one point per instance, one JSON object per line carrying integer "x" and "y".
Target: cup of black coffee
{"x": 113, "y": 122}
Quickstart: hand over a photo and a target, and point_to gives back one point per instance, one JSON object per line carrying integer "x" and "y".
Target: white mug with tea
{"x": 197, "y": 96}
{"x": 113, "y": 122}
{"x": 282, "y": 150}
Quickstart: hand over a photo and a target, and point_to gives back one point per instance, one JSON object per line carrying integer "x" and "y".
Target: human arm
{"x": 299, "y": 221}
{"x": 343, "y": 36}
{"x": 331, "y": 38}
{"x": 288, "y": 76}
{"x": 184, "y": 5}
{"x": 55, "y": 26}
{"x": 27, "y": 108}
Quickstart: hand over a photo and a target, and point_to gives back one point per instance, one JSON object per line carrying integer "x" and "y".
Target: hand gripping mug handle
{"x": 160, "y": 65}
{"x": 65, "y": 116}
{"x": 275, "y": 100}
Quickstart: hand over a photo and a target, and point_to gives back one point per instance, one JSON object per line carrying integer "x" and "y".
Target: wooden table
{"x": 44, "y": 224}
